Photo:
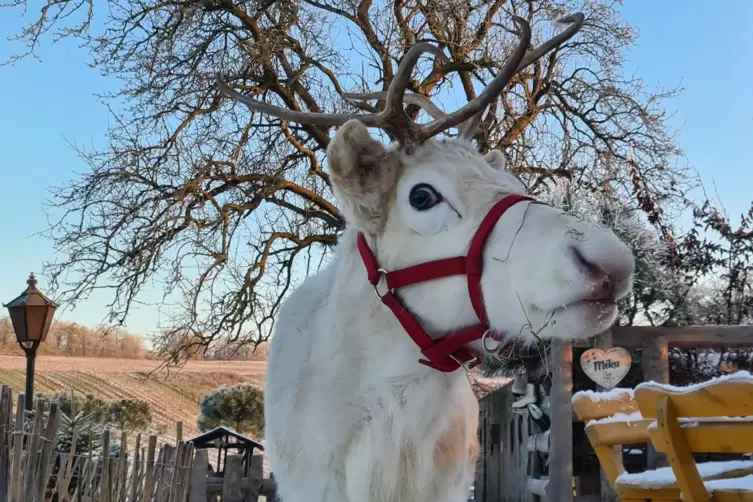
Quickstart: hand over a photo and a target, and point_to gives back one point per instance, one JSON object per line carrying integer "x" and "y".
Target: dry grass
{"x": 172, "y": 396}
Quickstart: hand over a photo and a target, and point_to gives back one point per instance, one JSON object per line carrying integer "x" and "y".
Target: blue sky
{"x": 704, "y": 46}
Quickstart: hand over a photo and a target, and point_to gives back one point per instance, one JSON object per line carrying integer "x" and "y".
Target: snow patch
{"x": 740, "y": 376}
{"x": 744, "y": 483}
{"x": 619, "y": 417}
{"x": 664, "y": 476}
{"x": 616, "y": 394}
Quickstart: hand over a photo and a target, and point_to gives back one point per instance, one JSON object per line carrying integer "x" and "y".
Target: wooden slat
{"x": 619, "y": 433}
{"x": 679, "y": 455}
{"x": 149, "y": 469}
{"x": 105, "y": 493}
{"x": 187, "y": 471}
{"x": 49, "y": 436}
{"x": 591, "y": 406}
{"x": 732, "y": 496}
{"x": 174, "y": 479}
{"x": 717, "y": 398}
{"x": 121, "y": 468}
{"x": 6, "y": 412}
{"x": 713, "y": 437}
{"x": 31, "y": 466}
{"x": 16, "y": 460}
{"x": 133, "y": 489}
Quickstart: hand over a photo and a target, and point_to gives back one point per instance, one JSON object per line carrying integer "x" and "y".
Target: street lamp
{"x": 31, "y": 315}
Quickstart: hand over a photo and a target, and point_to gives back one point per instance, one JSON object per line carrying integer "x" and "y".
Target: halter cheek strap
{"x": 447, "y": 353}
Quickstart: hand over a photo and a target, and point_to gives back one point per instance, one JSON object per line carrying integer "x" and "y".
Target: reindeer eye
{"x": 423, "y": 197}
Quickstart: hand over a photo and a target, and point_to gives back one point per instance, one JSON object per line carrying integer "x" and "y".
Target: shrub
{"x": 240, "y": 407}
{"x": 130, "y": 414}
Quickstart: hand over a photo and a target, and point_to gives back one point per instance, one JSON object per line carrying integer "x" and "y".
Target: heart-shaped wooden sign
{"x": 606, "y": 367}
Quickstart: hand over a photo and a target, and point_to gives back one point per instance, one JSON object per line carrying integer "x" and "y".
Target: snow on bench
{"x": 664, "y": 476}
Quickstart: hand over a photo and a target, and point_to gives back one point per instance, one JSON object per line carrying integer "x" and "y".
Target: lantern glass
{"x": 38, "y": 319}
{"x": 19, "y": 323}
{"x": 31, "y": 314}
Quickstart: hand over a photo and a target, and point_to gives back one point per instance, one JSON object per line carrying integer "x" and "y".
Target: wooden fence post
{"x": 560, "y": 487}
{"x": 198, "y": 490}
{"x": 655, "y": 364}
{"x": 231, "y": 484}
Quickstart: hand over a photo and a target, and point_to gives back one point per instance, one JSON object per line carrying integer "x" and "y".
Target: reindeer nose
{"x": 604, "y": 283}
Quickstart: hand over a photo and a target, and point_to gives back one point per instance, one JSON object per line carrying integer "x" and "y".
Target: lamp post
{"x": 31, "y": 314}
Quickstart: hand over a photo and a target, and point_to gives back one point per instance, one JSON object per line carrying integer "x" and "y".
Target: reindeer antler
{"x": 393, "y": 118}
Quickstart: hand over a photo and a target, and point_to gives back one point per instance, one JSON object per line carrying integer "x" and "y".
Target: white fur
{"x": 351, "y": 416}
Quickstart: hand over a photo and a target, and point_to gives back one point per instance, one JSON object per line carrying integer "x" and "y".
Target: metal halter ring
{"x": 382, "y": 273}
{"x": 486, "y": 337}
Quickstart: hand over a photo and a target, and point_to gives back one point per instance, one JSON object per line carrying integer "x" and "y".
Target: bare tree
{"x": 225, "y": 209}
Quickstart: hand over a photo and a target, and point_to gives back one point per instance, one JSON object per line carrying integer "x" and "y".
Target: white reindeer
{"x": 443, "y": 257}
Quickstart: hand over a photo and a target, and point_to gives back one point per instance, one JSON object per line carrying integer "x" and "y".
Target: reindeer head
{"x": 545, "y": 273}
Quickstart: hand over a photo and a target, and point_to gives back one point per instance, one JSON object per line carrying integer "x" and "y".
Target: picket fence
{"x": 33, "y": 470}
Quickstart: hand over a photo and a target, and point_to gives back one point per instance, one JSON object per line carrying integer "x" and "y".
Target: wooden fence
{"x": 34, "y": 469}
{"x": 501, "y": 473}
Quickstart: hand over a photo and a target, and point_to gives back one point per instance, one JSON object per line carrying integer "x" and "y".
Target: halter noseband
{"x": 447, "y": 353}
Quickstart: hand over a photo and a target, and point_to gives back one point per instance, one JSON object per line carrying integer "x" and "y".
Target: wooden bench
{"x": 622, "y": 417}
{"x": 613, "y": 420}
{"x": 712, "y": 417}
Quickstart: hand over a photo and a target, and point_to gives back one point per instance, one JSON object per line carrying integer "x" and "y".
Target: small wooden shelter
{"x": 225, "y": 439}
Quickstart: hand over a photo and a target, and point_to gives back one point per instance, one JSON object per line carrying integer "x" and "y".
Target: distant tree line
{"x": 189, "y": 346}
{"x": 73, "y": 339}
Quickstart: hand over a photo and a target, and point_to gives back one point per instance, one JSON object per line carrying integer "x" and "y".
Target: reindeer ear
{"x": 364, "y": 174}
{"x": 496, "y": 159}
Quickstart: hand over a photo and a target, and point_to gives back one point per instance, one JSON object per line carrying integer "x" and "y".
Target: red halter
{"x": 447, "y": 353}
